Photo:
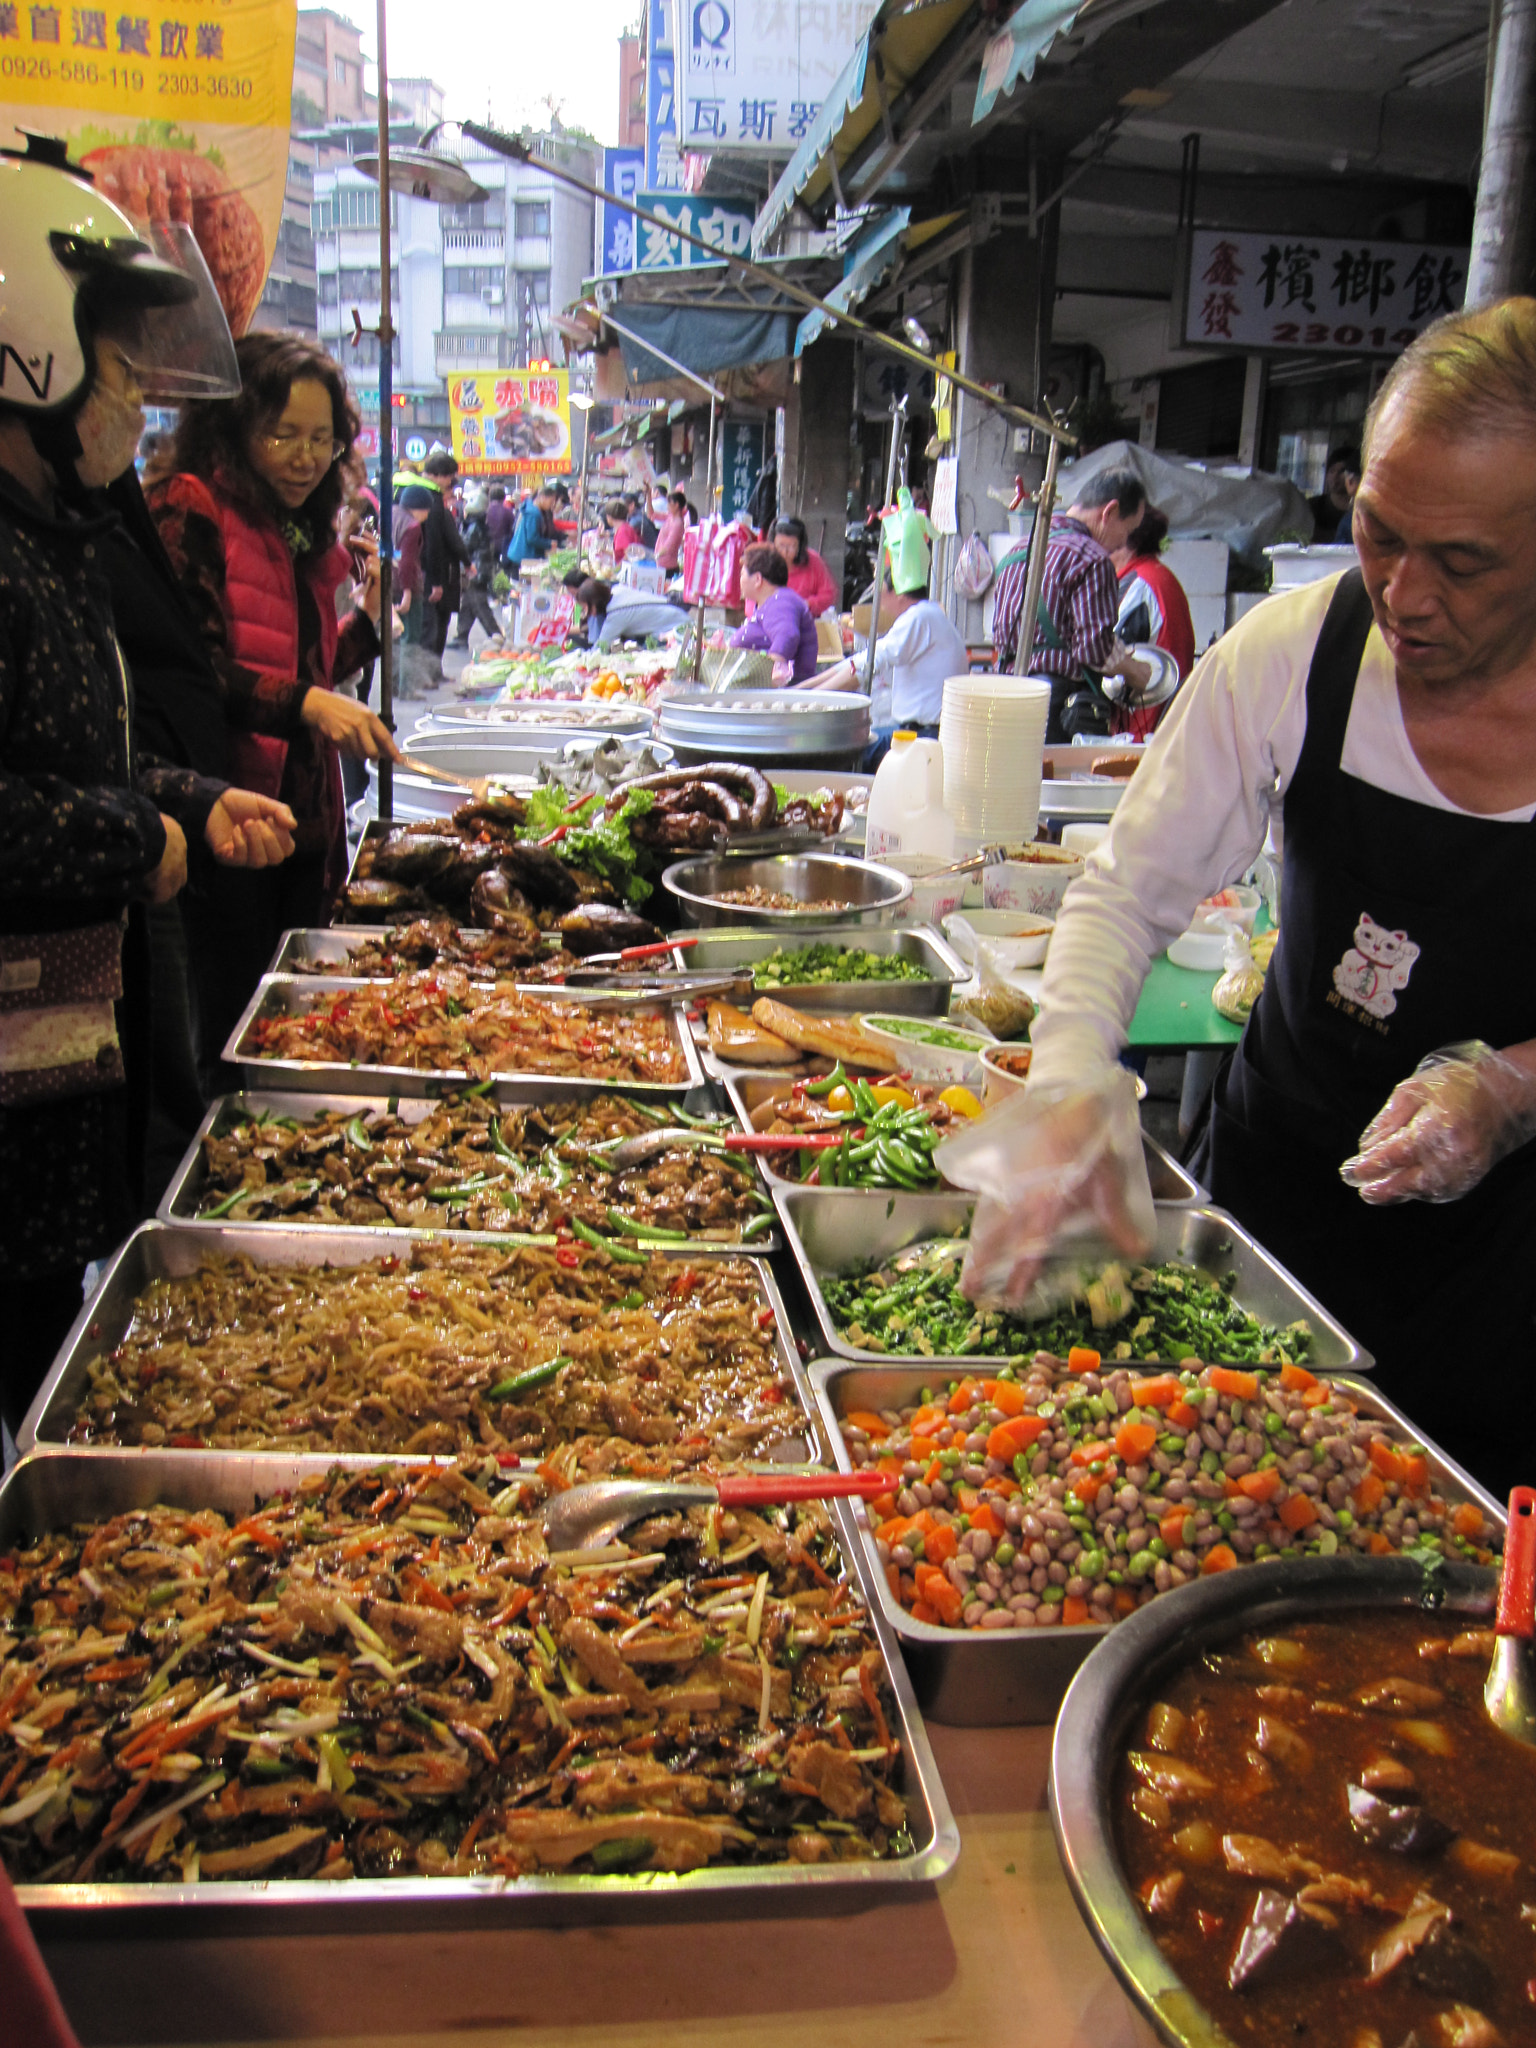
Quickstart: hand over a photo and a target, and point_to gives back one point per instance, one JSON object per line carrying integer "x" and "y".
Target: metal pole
{"x": 386, "y": 767}
{"x": 898, "y": 425}
{"x": 709, "y": 508}
{"x": 581, "y": 487}
{"x": 1504, "y": 224}
{"x": 1039, "y": 540}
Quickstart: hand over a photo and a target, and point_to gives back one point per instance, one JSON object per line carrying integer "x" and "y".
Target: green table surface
{"x": 1176, "y": 1010}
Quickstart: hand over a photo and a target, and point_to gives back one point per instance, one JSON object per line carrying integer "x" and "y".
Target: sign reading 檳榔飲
{"x": 1284, "y": 292}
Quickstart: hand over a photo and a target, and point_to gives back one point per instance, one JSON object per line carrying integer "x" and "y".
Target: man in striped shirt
{"x": 1080, "y": 594}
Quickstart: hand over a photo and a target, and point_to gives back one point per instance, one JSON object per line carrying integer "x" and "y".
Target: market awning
{"x": 639, "y": 426}
{"x": 1014, "y": 51}
{"x": 707, "y": 339}
{"x": 897, "y": 47}
{"x": 869, "y": 262}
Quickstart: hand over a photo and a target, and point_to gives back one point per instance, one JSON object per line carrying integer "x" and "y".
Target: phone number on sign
{"x": 1317, "y": 334}
{"x": 124, "y": 78}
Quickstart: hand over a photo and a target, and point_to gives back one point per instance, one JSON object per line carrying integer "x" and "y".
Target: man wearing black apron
{"x": 1374, "y": 1129}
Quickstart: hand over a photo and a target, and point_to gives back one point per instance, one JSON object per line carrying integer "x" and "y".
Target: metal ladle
{"x": 1510, "y": 1691}
{"x": 590, "y": 1516}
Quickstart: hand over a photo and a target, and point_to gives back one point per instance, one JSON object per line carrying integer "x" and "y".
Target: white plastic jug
{"x": 906, "y": 803}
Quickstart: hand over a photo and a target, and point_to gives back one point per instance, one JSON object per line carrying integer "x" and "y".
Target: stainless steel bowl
{"x": 1119, "y": 1679}
{"x": 873, "y": 893}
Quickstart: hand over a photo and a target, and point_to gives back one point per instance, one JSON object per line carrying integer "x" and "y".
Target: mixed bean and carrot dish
{"x": 1072, "y": 1491}
{"x": 1331, "y": 1840}
{"x": 389, "y": 1675}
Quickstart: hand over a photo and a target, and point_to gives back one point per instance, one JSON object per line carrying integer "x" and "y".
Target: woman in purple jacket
{"x": 781, "y": 621}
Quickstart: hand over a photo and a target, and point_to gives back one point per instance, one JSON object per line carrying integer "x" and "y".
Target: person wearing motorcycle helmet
{"x": 92, "y": 318}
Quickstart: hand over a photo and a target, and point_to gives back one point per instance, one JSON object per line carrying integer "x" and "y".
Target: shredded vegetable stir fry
{"x": 444, "y": 1022}
{"x": 388, "y": 1675}
{"x": 451, "y": 1348}
{"x": 468, "y": 1164}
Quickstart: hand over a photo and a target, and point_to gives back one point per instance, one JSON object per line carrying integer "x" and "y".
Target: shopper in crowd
{"x": 1074, "y": 638}
{"x": 1374, "y": 1127}
{"x": 809, "y": 576}
{"x": 499, "y": 519}
{"x": 443, "y": 553}
{"x": 475, "y": 594}
{"x": 1344, "y": 533}
{"x": 249, "y": 523}
{"x": 613, "y": 612}
{"x": 1153, "y": 612}
{"x": 917, "y": 649}
{"x": 92, "y": 824}
{"x": 1341, "y": 478}
{"x": 420, "y": 669}
{"x": 621, "y": 534}
{"x": 781, "y": 621}
{"x": 157, "y": 456}
{"x": 646, "y": 529}
{"x": 534, "y": 534}
{"x": 669, "y": 535}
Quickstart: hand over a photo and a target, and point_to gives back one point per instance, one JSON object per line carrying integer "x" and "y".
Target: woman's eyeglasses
{"x": 319, "y": 447}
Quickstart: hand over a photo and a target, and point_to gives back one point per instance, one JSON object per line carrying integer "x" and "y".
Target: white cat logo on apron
{"x": 1376, "y": 966}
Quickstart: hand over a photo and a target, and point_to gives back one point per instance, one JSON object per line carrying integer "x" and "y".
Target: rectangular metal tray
{"x": 162, "y": 1251}
{"x": 833, "y": 1228}
{"x": 180, "y": 1201}
{"x": 726, "y": 946}
{"x": 1001, "y": 1677}
{"x": 332, "y": 949}
{"x": 747, "y": 1088}
{"x": 51, "y": 1489}
{"x": 287, "y": 995}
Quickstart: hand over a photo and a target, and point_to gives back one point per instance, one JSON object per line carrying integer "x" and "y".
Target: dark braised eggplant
{"x": 375, "y": 896}
{"x": 414, "y": 857}
{"x": 542, "y": 876}
{"x": 496, "y": 904}
{"x": 605, "y": 928}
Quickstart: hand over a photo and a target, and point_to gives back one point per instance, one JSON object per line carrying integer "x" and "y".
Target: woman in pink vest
{"x": 249, "y": 522}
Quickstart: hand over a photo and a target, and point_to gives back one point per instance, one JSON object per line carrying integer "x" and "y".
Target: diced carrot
{"x": 964, "y": 1396}
{"x": 1261, "y": 1485}
{"x": 1086, "y": 1485}
{"x": 1005, "y": 1394}
{"x": 925, "y": 1520}
{"x": 1171, "y": 1528}
{"x": 1185, "y": 1416}
{"x": 1369, "y": 1489}
{"x": 1160, "y": 1392}
{"x": 1239, "y": 1386}
{"x": 1415, "y": 1472}
{"x": 866, "y": 1419}
{"x": 935, "y": 1471}
{"x": 929, "y": 1417}
{"x": 896, "y": 1530}
{"x": 883, "y": 1508}
{"x": 1467, "y": 1520}
{"x": 966, "y": 1497}
{"x": 893, "y": 1580}
{"x": 1219, "y": 1558}
{"x": 1082, "y": 1359}
{"x": 1094, "y": 1452}
{"x": 1314, "y": 1397}
{"x": 1385, "y": 1459}
{"x": 1135, "y": 1440}
{"x": 1379, "y": 1546}
{"x": 1125, "y": 1601}
{"x": 941, "y": 1544}
{"x": 1015, "y": 1435}
{"x": 984, "y": 1517}
{"x": 259, "y": 1532}
{"x": 1296, "y": 1511}
{"x": 921, "y": 1611}
{"x": 947, "y": 1601}
{"x": 924, "y": 1447}
{"x": 923, "y": 1576}
{"x": 1074, "y": 1612}
{"x": 1294, "y": 1377}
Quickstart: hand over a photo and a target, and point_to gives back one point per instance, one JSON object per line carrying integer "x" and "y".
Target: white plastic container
{"x": 906, "y": 804}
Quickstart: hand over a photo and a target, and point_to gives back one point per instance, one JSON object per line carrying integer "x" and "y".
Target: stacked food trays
{"x": 728, "y": 947}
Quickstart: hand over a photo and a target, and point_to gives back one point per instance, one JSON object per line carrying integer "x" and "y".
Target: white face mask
{"x": 110, "y": 430}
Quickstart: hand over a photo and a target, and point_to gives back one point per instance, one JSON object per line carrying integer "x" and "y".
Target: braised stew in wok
{"x": 1332, "y": 1842}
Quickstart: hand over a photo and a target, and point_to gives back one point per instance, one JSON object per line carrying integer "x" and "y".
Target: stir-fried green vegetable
{"x": 789, "y": 967}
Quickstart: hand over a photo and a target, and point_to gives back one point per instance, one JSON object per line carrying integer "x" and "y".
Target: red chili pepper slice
{"x": 567, "y": 1255}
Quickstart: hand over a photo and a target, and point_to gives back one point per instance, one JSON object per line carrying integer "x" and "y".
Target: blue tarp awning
{"x": 1015, "y": 50}
{"x": 867, "y": 264}
{"x": 707, "y": 338}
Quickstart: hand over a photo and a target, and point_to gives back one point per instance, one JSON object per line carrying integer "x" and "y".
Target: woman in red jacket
{"x": 809, "y": 576}
{"x": 1153, "y": 610}
{"x": 249, "y": 522}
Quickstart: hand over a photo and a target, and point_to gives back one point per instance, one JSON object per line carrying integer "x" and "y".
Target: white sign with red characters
{"x": 511, "y": 422}
{"x": 1288, "y": 292}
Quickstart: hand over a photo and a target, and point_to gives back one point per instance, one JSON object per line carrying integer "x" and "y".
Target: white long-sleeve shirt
{"x": 1195, "y": 814}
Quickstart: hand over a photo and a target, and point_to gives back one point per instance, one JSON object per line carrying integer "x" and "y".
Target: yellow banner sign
{"x": 511, "y": 422}
{"x": 180, "y": 110}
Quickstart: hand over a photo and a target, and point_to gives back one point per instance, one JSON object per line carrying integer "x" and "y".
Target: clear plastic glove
{"x": 1063, "y": 1185}
{"x": 1460, "y": 1112}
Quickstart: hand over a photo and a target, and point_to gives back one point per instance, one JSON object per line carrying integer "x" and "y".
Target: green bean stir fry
{"x": 790, "y": 967}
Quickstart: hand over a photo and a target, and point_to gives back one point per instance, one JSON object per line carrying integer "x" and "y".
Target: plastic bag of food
{"x": 974, "y": 570}
{"x": 1242, "y": 980}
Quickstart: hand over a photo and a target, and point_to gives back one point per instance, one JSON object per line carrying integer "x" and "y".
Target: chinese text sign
{"x": 725, "y": 224}
{"x": 622, "y": 176}
{"x": 752, "y": 74}
{"x": 1257, "y": 292}
{"x": 741, "y": 463}
{"x": 511, "y": 422}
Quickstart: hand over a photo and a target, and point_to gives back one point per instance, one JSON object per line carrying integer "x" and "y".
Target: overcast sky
{"x": 506, "y": 58}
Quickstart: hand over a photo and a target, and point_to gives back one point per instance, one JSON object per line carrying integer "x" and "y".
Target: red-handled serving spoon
{"x": 590, "y": 1516}
{"x": 1510, "y": 1691}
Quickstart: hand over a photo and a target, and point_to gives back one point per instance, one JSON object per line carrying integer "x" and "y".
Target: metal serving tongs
{"x": 1510, "y": 1691}
{"x": 590, "y": 1516}
{"x": 983, "y": 857}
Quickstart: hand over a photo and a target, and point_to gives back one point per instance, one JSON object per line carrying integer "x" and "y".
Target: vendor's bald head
{"x": 1445, "y": 517}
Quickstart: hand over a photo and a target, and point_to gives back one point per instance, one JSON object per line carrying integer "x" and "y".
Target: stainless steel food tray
{"x": 995, "y": 1677}
{"x": 179, "y": 1203}
{"x": 744, "y": 946}
{"x": 747, "y": 1088}
{"x": 332, "y": 949}
{"x": 288, "y": 995}
{"x": 830, "y": 1229}
{"x": 163, "y": 1251}
{"x": 52, "y": 1489}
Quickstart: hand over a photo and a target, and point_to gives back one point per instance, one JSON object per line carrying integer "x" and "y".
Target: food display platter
{"x": 748, "y": 1088}
{"x": 764, "y": 724}
{"x": 871, "y": 893}
{"x": 180, "y": 1202}
{"x": 290, "y": 995}
{"x": 719, "y": 947}
{"x": 332, "y": 950}
{"x": 525, "y": 721}
{"x": 995, "y": 1677}
{"x": 51, "y": 1490}
{"x": 168, "y": 1251}
{"x": 830, "y": 1229}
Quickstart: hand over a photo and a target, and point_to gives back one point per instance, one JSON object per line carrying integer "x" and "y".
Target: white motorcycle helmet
{"x": 70, "y": 261}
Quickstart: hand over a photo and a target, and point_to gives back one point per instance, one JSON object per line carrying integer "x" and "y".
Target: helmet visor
{"x": 184, "y": 351}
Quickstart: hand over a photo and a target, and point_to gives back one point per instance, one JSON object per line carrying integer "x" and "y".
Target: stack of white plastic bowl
{"x": 992, "y": 730}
